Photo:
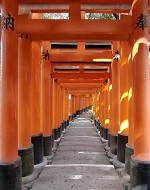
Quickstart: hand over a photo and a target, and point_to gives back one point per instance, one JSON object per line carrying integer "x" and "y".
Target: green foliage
{"x": 55, "y": 16}
{"x": 100, "y": 16}
{"x": 87, "y": 16}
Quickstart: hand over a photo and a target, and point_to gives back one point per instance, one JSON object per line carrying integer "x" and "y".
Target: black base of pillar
{"x": 37, "y": 142}
{"x": 27, "y": 159}
{"x": 140, "y": 174}
{"x": 128, "y": 153}
{"x": 121, "y": 146}
{"x": 59, "y": 132}
{"x": 52, "y": 138}
{"x": 74, "y": 115}
{"x": 70, "y": 117}
{"x": 11, "y": 175}
{"x": 113, "y": 144}
{"x": 100, "y": 128}
{"x": 47, "y": 145}
{"x": 105, "y": 133}
{"x": 60, "y": 129}
{"x": 55, "y": 134}
{"x": 101, "y": 131}
{"x": 78, "y": 112}
{"x": 63, "y": 126}
{"x": 108, "y": 139}
{"x": 67, "y": 122}
{"x": 92, "y": 117}
{"x": 95, "y": 122}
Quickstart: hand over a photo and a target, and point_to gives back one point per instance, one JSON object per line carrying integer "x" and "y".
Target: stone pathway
{"x": 80, "y": 162}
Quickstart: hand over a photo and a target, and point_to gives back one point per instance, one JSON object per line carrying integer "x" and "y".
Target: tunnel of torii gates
{"x": 44, "y": 86}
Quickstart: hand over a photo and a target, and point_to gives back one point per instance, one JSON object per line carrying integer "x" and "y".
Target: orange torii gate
{"x": 34, "y": 81}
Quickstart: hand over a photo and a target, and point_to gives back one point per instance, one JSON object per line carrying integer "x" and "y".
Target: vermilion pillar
{"x": 53, "y": 105}
{"x": 59, "y": 111}
{"x": 109, "y": 108}
{"x": 64, "y": 109}
{"x": 97, "y": 106}
{"x": 101, "y": 110}
{"x": 45, "y": 99}
{"x": 9, "y": 160}
{"x": 140, "y": 163}
{"x": 37, "y": 135}
{"x": 77, "y": 105}
{"x": 73, "y": 105}
{"x": 67, "y": 108}
{"x": 115, "y": 106}
{"x": 50, "y": 99}
{"x": 70, "y": 106}
{"x": 80, "y": 104}
{"x": 94, "y": 106}
{"x": 24, "y": 105}
{"x": 124, "y": 128}
{"x": 106, "y": 120}
{"x": 130, "y": 144}
{"x": 102, "y": 105}
{"x": 55, "y": 109}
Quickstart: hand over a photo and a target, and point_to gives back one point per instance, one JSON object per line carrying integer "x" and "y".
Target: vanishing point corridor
{"x": 80, "y": 161}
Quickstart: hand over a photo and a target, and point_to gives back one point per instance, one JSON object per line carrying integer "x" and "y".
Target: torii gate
{"x": 127, "y": 88}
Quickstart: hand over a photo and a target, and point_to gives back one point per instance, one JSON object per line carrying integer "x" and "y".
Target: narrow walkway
{"x": 80, "y": 162}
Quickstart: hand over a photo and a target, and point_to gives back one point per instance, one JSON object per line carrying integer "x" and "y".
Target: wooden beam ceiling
{"x": 80, "y": 75}
{"x": 105, "y": 55}
{"x": 85, "y": 81}
{"x": 81, "y": 27}
{"x": 81, "y": 1}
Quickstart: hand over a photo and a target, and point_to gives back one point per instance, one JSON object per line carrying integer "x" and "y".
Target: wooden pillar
{"x": 59, "y": 111}
{"x": 94, "y": 106}
{"x": 55, "y": 109}
{"x": 109, "y": 108}
{"x": 64, "y": 109}
{"x": 8, "y": 98}
{"x": 106, "y": 120}
{"x": 37, "y": 135}
{"x": 53, "y": 104}
{"x": 101, "y": 110}
{"x": 24, "y": 105}
{"x": 45, "y": 99}
{"x": 102, "y": 105}
{"x": 61, "y": 104}
{"x": 64, "y": 105}
{"x": 140, "y": 162}
{"x": 123, "y": 129}
{"x": 77, "y": 105}
{"x": 67, "y": 108}
{"x": 115, "y": 106}
{"x": 129, "y": 146}
{"x": 73, "y": 105}
{"x": 84, "y": 104}
{"x": 70, "y": 107}
{"x": 50, "y": 111}
{"x": 80, "y": 104}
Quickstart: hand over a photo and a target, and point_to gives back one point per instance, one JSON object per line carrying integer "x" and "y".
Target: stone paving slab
{"x": 80, "y": 162}
{"x": 79, "y": 178}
